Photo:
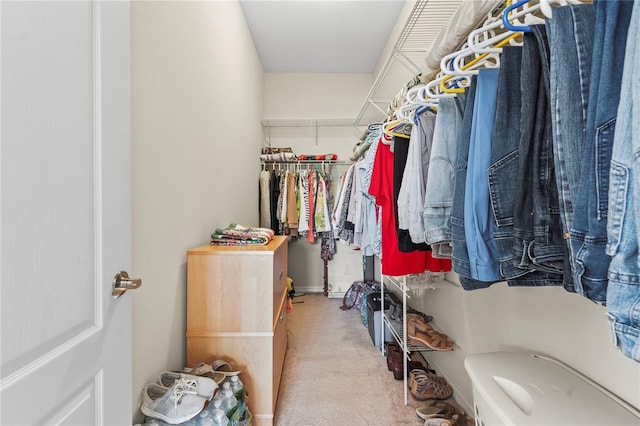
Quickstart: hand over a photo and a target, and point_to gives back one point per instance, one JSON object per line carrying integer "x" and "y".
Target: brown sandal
{"x": 425, "y": 386}
{"x": 436, "y": 409}
{"x": 425, "y": 335}
{"x": 416, "y": 317}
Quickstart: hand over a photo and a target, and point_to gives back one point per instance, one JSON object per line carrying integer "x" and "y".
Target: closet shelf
{"x": 418, "y": 281}
{"x": 421, "y": 28}
{"x": 311, "y": 124}
{"x": 307, "y": 122}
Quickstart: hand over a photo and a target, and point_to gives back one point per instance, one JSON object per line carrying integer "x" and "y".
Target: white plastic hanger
{"x": 417, "y": 96}
{"x": 433, "y": 89}
{"x": 405, "y": 113}
{"x": 481, "y": 39}
{"x": 545, "y": 5}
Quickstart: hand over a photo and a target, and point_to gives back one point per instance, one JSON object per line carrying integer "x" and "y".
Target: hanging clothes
{"x": 394, "y": 262}
{"x": 345, "y": 228}
{"x": 321, "y": 205}
{"x": 484, "y": 261}
{"x": 265, "y": 199}
{"x": 589, "y": 233}
{"x": 438, "y": 198}
{"x": 303, "y": 195}
{"x": 400, "y": 154}
{"x": 371, "y": 212}
{"x": 292, "y": 205}
{"x": 623, "y": 292}
{"x": 328, "y": 243}
{"x": 571, "y": 46}
{"x": 414, "y": 180}
{"x": 340, "y": 201}
{"x": 536, "y": 223}
{"x": 274, "y": 190}
{"x": 460, "y": 254}
{"x": 311, "y": 179}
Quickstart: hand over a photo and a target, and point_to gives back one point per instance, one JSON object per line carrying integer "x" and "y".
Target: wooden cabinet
{"x": 236, "y": 311}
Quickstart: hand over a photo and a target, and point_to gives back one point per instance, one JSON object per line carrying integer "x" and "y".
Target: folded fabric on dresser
{"x": 238, "y": 235}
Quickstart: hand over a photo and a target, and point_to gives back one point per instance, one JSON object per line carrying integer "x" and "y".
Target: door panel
{"x": 65, "y": 212}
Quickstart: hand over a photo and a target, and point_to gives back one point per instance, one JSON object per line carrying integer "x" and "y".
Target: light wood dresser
{"x": 236, "y": 311}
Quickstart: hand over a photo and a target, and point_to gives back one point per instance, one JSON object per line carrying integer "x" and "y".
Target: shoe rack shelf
{"x": 398, "y": 328}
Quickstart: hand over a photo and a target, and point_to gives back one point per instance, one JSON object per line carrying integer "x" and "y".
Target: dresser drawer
{"x": 279, "y": 278}
{"x": 279, "y": 349}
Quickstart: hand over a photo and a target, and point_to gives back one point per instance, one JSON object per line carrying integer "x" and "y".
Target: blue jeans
{"x": 484, "y": 260}
{"x": 589, "y": 230}
{"x": 438, "y": 198}
{"x": 623, "y": 293}
{"x": 504, "y": 170}
{"x": 538, "y": 236}
{"x": 460, "y": 255}
{"x": 571, "y": 47}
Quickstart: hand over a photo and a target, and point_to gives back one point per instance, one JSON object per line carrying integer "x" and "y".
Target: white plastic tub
{"x": 527, "y": 389}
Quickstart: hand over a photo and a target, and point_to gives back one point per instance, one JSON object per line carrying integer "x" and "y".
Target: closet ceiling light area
{"x": 325, "y": 36}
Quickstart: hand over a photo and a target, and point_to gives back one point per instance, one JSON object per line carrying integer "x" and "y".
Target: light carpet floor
{"x": 333, "y": 375}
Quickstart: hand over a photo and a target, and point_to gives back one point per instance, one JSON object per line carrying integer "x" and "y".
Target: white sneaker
{"x": 173, "y": 405}
{"x": 203, "y": 386}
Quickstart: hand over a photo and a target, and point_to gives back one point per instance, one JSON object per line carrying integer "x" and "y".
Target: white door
{"x": 65, "y": 217}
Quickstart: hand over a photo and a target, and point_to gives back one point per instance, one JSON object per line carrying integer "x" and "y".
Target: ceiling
{"x": 320, "y": 36}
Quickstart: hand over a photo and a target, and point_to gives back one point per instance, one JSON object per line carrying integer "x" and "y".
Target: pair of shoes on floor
{"x": 442, "y": 413}
{"x": 395, "y": 362}
{"x": 177, "y": 397}
{"x": 420, "y": 315}
{"x": 454, "y": 420}
{"x": 449, "y": 419}
{"x": 395, "y": 313}
{"x": 422, "y": 334}
{"x": 218, "y": 370}
{"x": 425, "y": 385}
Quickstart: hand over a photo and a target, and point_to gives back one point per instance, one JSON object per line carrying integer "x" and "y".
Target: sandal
{"x": 427, "y": 336}
{"x": 425, "y": 386}
{"x": 213, "y": 371}
{"x": 419, "y": 374}
{"x": 444, "y": 409}
{"x": 434, "y": 410}
{"x": 218, "y": 364}
{"x": 205, "y": 370}
{"x": 420, "y": 317}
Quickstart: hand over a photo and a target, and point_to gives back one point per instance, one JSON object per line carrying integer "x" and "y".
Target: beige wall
{"x": 309, "y": 95}
{"x": 196, "y": 109}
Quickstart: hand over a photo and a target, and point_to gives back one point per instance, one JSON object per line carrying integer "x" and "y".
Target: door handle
{"x": 122, "y": 283}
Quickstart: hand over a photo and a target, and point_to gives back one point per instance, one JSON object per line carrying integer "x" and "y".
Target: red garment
{"x": 394, "y": 262}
